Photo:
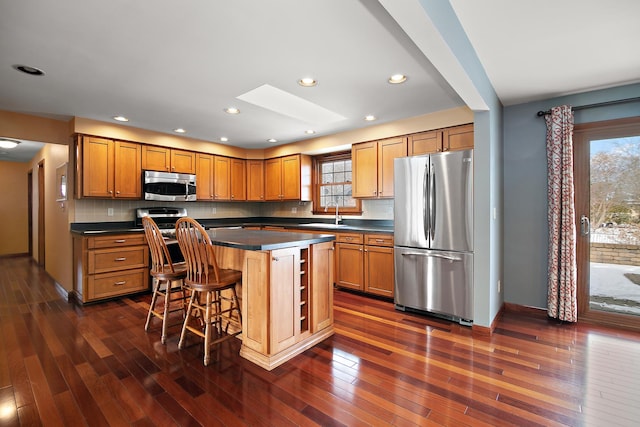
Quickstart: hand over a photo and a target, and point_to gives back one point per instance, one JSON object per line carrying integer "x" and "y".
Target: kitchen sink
{"x": 322, "y": 225}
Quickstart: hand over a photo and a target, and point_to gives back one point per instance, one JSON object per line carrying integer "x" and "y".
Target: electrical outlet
{"x": 109, "y": 211}
{"x": 213, "y": 210}
{"x": 294, "y": 210}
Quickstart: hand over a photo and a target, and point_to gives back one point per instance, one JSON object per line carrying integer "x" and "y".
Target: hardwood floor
{"x": 61, "y": 364}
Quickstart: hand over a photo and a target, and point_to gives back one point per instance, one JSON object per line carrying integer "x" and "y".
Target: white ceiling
{"x": 167, "y": 64}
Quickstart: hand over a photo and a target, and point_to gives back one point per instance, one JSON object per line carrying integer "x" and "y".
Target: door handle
{"x": 432, "y": 255}
{"x": 585, "y": 225}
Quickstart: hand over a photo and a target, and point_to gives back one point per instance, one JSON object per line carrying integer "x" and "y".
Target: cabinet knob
{"x": 232, "y": 196}
{"x": 276, "y": 258}
{"x": 110, "y": 191}
{"x": 117, "y": 192}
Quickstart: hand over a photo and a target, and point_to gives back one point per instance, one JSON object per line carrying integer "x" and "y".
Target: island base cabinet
{"x": 287, "y": 300}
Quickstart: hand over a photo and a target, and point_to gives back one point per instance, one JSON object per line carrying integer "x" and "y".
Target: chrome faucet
{"x": 337, "y": 207}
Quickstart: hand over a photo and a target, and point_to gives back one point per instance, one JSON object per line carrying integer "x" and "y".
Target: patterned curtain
{"x": 562, "y": 274}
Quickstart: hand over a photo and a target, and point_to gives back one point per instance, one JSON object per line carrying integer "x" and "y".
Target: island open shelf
{"x": 286, "y": 291}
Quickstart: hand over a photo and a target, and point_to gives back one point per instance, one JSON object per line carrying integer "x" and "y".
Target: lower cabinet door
{"x": 108, "y": 285}
{"x": 349, "y": 261}
{"x": 378, "y": 270}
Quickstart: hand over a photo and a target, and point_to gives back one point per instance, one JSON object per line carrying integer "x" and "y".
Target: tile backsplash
{"x": 90, "y": 210}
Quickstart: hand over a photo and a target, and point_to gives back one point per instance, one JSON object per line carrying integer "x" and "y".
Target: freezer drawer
{"x": 434, "y": 281}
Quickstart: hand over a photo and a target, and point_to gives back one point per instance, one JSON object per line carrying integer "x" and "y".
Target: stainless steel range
{"x": 165, "y": 218}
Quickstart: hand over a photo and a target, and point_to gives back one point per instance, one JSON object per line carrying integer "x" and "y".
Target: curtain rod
{"x": 598, "y": 104}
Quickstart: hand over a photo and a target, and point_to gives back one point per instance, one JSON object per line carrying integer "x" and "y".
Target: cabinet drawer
{"x": 356, "y": 238}
{"x": 114, "y": 284}
{"x": 116, "y": 240}
{"x": 379, "y": 239}
{"x": 105, "y": 260}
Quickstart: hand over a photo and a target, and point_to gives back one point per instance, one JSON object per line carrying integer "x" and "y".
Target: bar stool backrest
{"x": 198, "y": 253}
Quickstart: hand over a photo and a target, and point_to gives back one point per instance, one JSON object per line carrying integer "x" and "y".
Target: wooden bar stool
{"x": 168, "y": 279}
{"x": 207, "y": 282}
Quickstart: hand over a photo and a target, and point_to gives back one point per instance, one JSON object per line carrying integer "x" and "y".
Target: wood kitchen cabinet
{"x": 255, "y": 180}
{"x": 238, "y": 179}
{"x": 220, "y": 178}
{"x": 457, "y": 138}
{"x": 378, "y": 265}
{"x": 364, "y": 262}
{"x": 109, "y": 168}
{"x": 288, "y": 178}
{"x": 373, "y": 166}
{"x": 108, "y": 266}
{"x": 168, "y": 159}
{"x": 449, "y": 139}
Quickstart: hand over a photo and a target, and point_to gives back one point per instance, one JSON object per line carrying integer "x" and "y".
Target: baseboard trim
{"x": 485, "y": 331}
{"x": 62, "y": 291}
{"x": 14, "y": 255}
{"x": 525, "y": 309}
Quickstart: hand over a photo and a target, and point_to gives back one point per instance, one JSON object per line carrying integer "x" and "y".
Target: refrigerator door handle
{"x": 432, "y": 195}
{"x": 447, "y": 257}
{"x": 426, "y": 202}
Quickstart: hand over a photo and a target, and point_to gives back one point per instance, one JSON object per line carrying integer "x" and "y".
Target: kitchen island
{"x": 286, "y": 291}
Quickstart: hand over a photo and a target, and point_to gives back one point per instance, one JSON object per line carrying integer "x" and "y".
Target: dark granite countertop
{"x": 351, "y": 225}
{"x": 264, "y": 240}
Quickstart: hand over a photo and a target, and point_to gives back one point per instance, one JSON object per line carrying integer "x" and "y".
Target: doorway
{"x": 30, "y": 210}
{"x": 41, "y": 251}
{"x": 607, "y": 185}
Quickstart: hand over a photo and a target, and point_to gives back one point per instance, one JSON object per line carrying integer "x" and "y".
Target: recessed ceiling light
{"x": 8, "y": 143}
{"x": 224, "y": 139}
{"x": 179, "y": 130}
{"x": 370, "y": 118}
{"x": 307, "y": 82}
{"x": 120, "y": 118}
{"x": 309, "y": 131}
{"x": 272, "y": 140}
{"x": 32, "y": 71}
{"x": 232, "y": 110}
{"x": 397, "y": 78}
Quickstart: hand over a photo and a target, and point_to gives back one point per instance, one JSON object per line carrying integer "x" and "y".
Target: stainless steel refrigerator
{"x": 433, "y": 234}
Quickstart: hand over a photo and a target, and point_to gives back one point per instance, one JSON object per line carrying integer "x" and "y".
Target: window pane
{"x": 338, "y": 166}
{"x": 347, "y": 177}
{"x": 338, "y": 177}
{"x": 327, "y": 178}
{"x": 327, "y": 168}
{"x": 347, "y": 190}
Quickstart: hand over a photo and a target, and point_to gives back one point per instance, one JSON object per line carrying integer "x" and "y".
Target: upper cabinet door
{"x": 388, "y": 150}
{"x": 238, "y": 179}
{"x": 365, "y": 169}
{"x": 291, "y": 177}
{"x": 221, "y": 176}
{"x": 255, "y": 180}
{"x": 128, "y": 170}
{"x": 204, "y": 177}
{"x": 156, "y": 158}
{"x": 425, "y": 143}
{"x": 458, "y": 138}
{"x": 183, "y": 161}
{"x": 273, "y": 179}
{"x": 97, "y": 167}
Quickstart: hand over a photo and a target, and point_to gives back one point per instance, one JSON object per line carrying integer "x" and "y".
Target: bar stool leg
{"x": 186, "y": 319}
{"x": 207, "y": 329}
{"x": 154, "y": 299}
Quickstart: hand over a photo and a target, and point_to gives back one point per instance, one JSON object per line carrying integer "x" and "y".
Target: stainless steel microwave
{"x": 169, "y": 186}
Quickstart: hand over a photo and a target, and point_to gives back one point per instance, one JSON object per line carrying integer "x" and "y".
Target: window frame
{"x": 317, "y": 162}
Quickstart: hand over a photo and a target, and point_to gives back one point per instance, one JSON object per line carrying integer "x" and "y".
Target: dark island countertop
{"x": 324, "y": 226}
{"x": 264, "y": 240}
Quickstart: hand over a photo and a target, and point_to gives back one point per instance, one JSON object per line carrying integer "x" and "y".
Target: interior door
{"x": 607, "y": 185}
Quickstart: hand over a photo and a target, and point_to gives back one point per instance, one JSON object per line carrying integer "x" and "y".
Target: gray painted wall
{"x": 525, "y": 187}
